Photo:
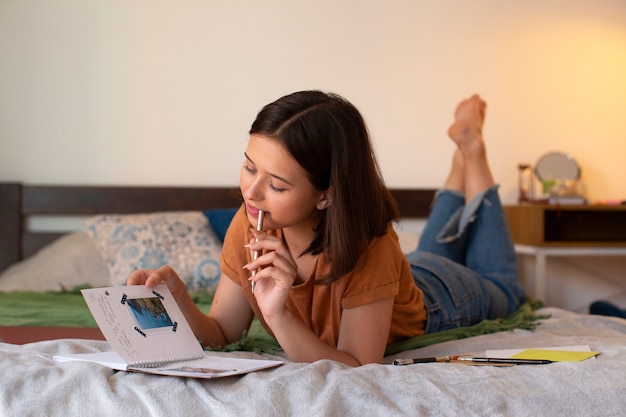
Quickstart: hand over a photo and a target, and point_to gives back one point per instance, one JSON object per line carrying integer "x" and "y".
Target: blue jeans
{"x": 465, "y": 262}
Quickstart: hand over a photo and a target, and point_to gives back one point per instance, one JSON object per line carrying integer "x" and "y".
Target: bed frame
{"x": 18, "y": 202}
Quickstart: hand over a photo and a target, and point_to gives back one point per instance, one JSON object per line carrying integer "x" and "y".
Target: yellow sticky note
{"x": 554, "y": 355}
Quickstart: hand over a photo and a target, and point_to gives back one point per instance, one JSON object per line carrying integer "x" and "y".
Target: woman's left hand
{"x": 276, "y": 272}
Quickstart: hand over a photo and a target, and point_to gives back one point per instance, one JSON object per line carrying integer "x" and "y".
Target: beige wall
{"x": 163, "y": 92}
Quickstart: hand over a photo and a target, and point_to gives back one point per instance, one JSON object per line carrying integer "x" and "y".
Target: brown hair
{"x": 328, "y": 137}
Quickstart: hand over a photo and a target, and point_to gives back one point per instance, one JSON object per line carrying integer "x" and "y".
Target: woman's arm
{"x": 363, "y": 335}
{"x": 231, "y": 310}
{"x": 364, "y": 330}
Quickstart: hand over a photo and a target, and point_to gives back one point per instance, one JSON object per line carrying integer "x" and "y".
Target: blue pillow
{"x": 220, "y": 220}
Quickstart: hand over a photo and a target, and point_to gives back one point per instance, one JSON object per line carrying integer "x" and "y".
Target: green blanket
{"x": 69, "y": 309}
{"x": 65, "y": 309}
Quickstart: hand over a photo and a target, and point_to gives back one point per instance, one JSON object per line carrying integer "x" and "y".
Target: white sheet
{"x": 33, "y": 385}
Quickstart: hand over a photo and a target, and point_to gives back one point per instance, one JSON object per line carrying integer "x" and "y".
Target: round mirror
{"x": 557, "y": 166}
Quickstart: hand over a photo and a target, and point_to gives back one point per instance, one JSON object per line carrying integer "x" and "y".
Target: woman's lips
{"x": 253, "y": 211}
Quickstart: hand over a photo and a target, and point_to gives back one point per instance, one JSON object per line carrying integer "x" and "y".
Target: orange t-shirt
{"x": 383, "y": 271}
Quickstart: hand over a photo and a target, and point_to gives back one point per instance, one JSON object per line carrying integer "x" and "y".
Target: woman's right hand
{"x": 206, "y": 329}
{"x": 153, "y": 277}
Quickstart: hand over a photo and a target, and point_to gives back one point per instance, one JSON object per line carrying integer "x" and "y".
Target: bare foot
{"x": 466, "y": 130}
{"x": 470, "y": 156}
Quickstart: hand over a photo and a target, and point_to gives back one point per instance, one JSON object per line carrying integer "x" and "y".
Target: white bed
{"x": 32, "y": 384}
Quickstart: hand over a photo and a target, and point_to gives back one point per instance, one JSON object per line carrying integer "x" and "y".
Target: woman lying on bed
{"x": 331, "y": 281}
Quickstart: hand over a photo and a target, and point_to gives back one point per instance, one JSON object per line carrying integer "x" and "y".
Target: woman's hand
{"x": 153, "y": 277}
{"x": 276, "y": 272}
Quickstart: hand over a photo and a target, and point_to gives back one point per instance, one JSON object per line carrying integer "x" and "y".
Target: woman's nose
{"x": 253, "y": 191}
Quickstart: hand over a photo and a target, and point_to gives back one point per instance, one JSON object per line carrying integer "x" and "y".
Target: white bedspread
{"x": 34, "y": 385}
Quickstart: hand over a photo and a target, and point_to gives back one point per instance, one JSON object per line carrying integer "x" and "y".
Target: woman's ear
{"x": 325, "y": 200}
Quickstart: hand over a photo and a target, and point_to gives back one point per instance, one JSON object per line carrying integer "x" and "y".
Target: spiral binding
{"x": 164, "y": 362}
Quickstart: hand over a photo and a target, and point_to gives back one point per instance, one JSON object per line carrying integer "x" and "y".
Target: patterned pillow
{"x": 182, "y": 240}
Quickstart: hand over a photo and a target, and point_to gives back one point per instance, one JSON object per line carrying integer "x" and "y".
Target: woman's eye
{"x": 278, "y": 190}
{"x": 253, "y": 171}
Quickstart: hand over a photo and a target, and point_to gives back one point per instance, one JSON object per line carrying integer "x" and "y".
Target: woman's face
{"x": 272, "y": 181}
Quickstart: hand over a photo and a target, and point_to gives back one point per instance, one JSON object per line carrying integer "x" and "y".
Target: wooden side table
{"x": 544, "y": 231}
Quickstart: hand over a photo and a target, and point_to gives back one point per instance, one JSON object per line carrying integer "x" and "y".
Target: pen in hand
{"x": 255, "y": 254}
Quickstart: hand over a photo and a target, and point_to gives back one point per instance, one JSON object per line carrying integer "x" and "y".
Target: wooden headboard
{"x": 19, "y": 201}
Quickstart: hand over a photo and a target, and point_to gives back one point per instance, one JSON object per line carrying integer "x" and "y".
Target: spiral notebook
{"x": 148, "y": 333}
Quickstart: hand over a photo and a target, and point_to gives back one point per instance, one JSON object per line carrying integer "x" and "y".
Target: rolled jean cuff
{"x": 464, "y": 215}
